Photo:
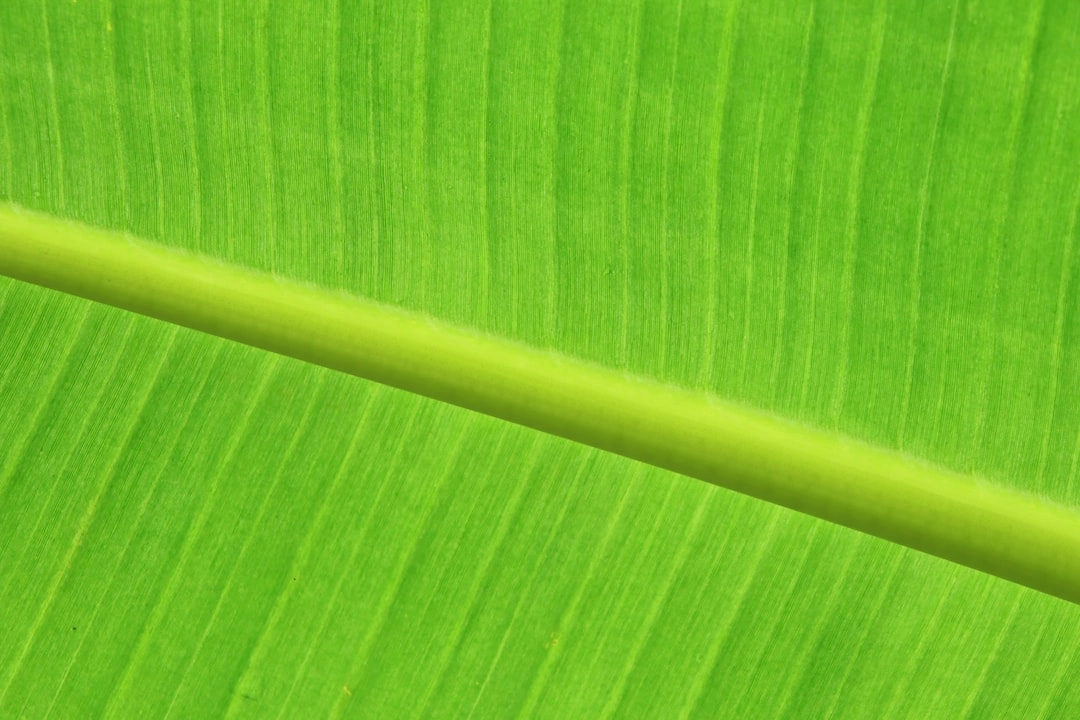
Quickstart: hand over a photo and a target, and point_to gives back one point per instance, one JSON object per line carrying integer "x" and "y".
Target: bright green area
{"x": 988, "y": 527}
{"x": 863, "y": 219}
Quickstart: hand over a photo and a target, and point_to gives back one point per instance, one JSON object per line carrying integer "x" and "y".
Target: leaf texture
{"x": 862, "y": 218}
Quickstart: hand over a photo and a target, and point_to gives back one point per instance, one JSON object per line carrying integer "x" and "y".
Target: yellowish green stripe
{"x": 1017, "y": 537}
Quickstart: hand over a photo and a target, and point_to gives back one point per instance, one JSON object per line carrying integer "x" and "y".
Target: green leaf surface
{"x": 860, "y": 218}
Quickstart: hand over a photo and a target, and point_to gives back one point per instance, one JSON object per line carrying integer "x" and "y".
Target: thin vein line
{"x": 141, "y": 405}
{"x": 569, "y": 613}
{"x": 552, "y": 304}
{"x": 729, "y": 42}
{"x": 260, "y": 513}
{"x": 382, "y": 613}
{"x": 1058, "y": 338}
{"x": 1001, "y": 220}
{"x": 373, "y": 168}
{"x": 155, "y": 135}
{"x": 988, "y": 658}
{"x": 922, "y": 224}
{"x": 744, "y": 346}
{"x": 12, "y": 288}
{"x": 585, "y": 461}
{"x": 884, "y": 584}
{"x": 811, "y": 315}
{"x": 15, "y": 456}
{"x": 795, "y": 671}
{"x": 792, "y": 162}
{"x": 420, "y": 128}
{"x": 109, "y": 13}
{"x": 665, "y": 200}
{"x": 796, "y": 570}
{"x": 194, "y": 163}
{"x": 8, "y": 148}
{"x": 488, "y": 179}
{"x": 696, "y": 687}
{"x": 334, "y": 139}
{"x": 230, "y": 238}
{"x": 390, "y": 470}
{"x": 450, "y": 638}
{"x": 507, "y": 519}
{"x": 302, "y": 556}
{"x": 54, "y": 108}
{"x": 486, "y": 176}
{"x": 939, "y": 408}
{"x": 170, "y": 452}
{"x": 1062, "y": 677}
{"x": 1074, "y": 464}
{"x": 905, "y": 673}
{"x": 123, "y": 685}
{"x": 629, "y": 112}
{"x": 49, "y": 596}
{"x": 851, "y": 245}
{"x": 262, "y": 81}
{"x": 648, "y": 628}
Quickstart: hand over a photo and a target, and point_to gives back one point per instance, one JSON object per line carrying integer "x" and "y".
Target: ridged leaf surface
{"x": 860, "y": 217}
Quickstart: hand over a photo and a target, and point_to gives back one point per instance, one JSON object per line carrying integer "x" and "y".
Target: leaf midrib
{"x": 988, "y": 527}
